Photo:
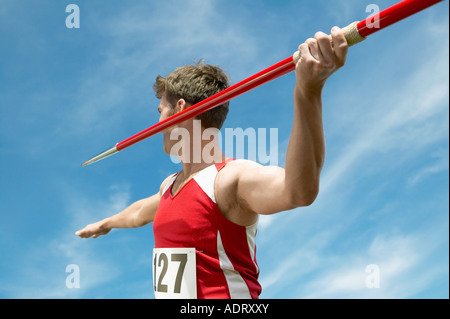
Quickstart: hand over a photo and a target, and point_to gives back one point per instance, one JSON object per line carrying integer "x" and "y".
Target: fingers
{"x": 82, "y": 234}
{"x": 303, "y": 49}
{"x": 85, "y": 233}
{"x": 340, "y": 46}
{"x": 88, "y": 232}
{"x": 326, "y": 50}
{"x": 320, "y": 57}
{"x": 313, "y": 47}
{"x": 329, "y": 50}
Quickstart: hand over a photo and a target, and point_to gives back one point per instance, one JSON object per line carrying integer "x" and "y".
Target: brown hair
{"x": 194, "y": 83}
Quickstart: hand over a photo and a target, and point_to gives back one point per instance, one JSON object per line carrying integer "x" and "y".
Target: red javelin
{"x": 354, "y": 33}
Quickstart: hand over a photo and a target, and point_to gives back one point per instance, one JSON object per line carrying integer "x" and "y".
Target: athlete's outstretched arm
{"x": 138, "y": 214}
{"x": 267, "y": 190}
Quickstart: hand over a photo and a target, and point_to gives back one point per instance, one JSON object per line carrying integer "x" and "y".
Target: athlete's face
{"x": 166, "y": 110}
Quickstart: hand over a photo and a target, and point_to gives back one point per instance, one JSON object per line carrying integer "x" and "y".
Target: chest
{"x": 186, "y": 219}
{"x": 178, "y": 185}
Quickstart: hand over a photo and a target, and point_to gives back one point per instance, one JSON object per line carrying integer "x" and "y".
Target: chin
{"x": 167, "y": 151}
{"x": 166, "y": 147}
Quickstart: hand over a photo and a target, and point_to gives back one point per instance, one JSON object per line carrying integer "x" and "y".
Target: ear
{"x": 181, "y": 105}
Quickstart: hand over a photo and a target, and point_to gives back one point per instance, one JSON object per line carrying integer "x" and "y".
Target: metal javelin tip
{"x": 102, "y": 155}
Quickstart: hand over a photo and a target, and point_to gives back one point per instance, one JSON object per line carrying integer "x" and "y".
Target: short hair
{"x": 195, "y": 83}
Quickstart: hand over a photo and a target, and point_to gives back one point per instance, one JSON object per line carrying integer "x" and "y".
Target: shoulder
{"x": 229, "y": 177}
{"x": 243, "y": 179}
{"x": 233, "y": 170}
{"x": 164, "y": 183}
{"x": 239, "y": 166}
{"x": 246, "y": 170}
{"x": 228, "y": 187}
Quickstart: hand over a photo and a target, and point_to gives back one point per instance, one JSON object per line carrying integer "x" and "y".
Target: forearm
{"x": 130, "y": 217}
{"x": 137, "y": 214}
{"x": 124, "y": 219}
{"x": 298, "y": 184}
{"x": 306, "y": 149}
{"x": 320, "y": 58}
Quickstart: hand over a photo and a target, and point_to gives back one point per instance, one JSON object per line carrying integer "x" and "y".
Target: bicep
{"x": 262, "y": 189}
{"x": 147, "y": 209}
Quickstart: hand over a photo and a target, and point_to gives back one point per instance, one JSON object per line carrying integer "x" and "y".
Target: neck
{"x": 201, "y": 156}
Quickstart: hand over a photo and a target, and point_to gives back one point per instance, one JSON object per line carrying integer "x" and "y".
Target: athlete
{"x": 211, "y": 207}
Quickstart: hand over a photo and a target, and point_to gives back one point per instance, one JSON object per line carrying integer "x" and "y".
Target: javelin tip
{"x": 102, "y": 155}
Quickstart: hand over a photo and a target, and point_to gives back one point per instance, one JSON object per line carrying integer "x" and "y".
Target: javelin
{"x": 354, "y": 33}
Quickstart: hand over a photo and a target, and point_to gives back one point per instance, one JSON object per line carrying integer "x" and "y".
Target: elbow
{"x": 303, "y": 198}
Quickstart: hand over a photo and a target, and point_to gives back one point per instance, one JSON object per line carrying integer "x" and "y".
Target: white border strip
{"x": 236, "y": 285}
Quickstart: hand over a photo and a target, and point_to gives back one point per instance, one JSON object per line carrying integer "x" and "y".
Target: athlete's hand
{"x": 321, "y": 56}
{"x": 94, "y": 230}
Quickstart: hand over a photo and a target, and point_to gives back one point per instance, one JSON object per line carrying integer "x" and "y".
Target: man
{"x": 211, "y": 207}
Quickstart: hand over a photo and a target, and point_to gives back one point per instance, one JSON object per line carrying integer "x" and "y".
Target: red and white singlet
{"x": 225, "y": 253}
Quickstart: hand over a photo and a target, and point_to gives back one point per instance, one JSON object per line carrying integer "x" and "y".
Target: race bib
{"x": 174, "y": 273}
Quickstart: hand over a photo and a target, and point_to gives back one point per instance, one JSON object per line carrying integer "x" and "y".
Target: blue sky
{"x": 68, "y": 94}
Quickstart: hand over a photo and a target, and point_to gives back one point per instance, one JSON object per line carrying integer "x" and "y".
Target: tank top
{"x": 225, "y": 252}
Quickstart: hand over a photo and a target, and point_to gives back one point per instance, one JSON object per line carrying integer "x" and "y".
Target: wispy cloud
{"x": 40, "y": 271}
{"x": 406, "y": 121}
{"x": 314, "y": 270}
{"x": 410, "y": 117}
{"x": 398, "y": 258}
{"x": 381, "y": 200}
{"x": 146, "y": 40}
{"x": 439, "y": 162}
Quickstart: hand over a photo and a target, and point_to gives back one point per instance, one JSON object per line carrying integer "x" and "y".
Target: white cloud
{"x": 407, "y": 117}
{"x": 150, "y": 39}
{"x": 399, "y": 121}
{"x": 400, "y": 260}
{"x": 40, "y": 270}
{"x": 141, "y": 42}
{"x": 438, "y": 165}
{"x": 400, "y": 124}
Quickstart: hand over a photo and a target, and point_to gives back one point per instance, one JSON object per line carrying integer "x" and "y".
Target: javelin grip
{"x": 351, "y": 35}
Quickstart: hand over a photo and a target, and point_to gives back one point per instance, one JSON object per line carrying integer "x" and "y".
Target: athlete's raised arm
{"x": 268, "y": 190}
{"x": 138, "y": 214}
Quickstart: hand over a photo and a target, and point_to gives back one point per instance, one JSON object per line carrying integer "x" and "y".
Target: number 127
{"x": 162, "y": 259}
